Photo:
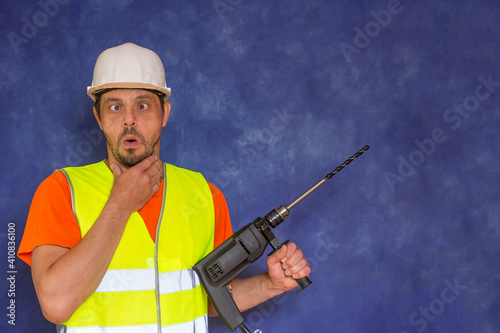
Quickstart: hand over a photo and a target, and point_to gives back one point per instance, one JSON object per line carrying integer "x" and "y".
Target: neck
{"x": 110, "y": 161}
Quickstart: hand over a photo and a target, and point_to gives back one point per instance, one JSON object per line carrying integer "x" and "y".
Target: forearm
{"x": 250, "y": 292}
{"x": 66, "y": 283}
{"x": 253, "y": 291}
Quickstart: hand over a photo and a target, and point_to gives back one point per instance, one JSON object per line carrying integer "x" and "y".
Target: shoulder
{"x": 55, "y": 180}
{"x": 184, "y": 175}
{"x": 218, "y": 197}
{"x": 52, "y": 190}
{"x": 93, "y": 168}
{"x": 176, "y": 169}
{"x": 216, "y": 193}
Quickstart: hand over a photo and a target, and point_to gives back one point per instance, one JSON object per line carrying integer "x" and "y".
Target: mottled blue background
{"x": 267, "y": 98}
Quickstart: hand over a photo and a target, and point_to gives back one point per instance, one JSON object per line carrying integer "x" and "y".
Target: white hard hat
{"x": 128, "y": 66}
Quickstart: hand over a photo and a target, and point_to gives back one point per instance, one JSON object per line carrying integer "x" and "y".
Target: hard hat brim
{"x": 94, "y": 91}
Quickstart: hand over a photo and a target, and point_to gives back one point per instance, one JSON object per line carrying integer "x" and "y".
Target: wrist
{"x": 269, "y": 287}
{"x": 118, "y": 207}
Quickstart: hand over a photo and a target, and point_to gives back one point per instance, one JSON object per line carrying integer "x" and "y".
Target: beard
{"x": 130, "y": 157}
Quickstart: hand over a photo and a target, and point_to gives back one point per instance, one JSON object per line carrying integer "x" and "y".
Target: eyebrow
{"x": 144, "y": 97}
{"x": 116, "y": 99}
{"x": 111, "y": 99}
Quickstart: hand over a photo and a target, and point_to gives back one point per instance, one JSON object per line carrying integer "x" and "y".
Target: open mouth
{"x": 130, "y": 142}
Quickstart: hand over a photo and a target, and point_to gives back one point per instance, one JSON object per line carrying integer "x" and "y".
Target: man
{"x": 112, "y": 244}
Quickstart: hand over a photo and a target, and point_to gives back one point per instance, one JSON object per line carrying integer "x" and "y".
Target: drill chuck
{"x": 276, "y": 216}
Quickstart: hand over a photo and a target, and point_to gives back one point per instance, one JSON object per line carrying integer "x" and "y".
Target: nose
{"x": 129, "y": 118}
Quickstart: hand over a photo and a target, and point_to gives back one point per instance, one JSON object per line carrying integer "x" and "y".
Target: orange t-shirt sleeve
{"x": 51, "y": 219}
{"x": 223, "y": 229}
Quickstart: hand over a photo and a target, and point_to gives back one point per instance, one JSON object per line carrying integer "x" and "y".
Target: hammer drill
{"x": 247, "y": 245}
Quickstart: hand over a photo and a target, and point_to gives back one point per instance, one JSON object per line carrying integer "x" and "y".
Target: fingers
{"x": 153, "y": 168}
{"x": 294, "y": 263}
{"x": 277, "y": 257}
{"x": 115, "y": 168}
{"x": 139, "y": 183}
{"x": 157, "y": 178}
{"x": 155, "y": 171}
{"x": 146, "y": 163}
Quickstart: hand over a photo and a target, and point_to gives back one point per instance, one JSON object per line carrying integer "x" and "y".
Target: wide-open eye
{"x": 143, "y": 106}
{"x": 115, "y": 107}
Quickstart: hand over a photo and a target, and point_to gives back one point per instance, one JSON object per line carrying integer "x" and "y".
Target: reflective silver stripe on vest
{"x": 157, "y": 241}
{"x": 198, "y": 325}
{"x": 72, "y": 191}
{"x": 144, "y": 279}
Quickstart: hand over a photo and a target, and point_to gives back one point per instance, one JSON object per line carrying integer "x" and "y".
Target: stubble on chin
{"x": 130, "y": 158}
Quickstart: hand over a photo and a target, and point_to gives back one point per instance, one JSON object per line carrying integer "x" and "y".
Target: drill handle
{"x": 223, "y": 302}
{"x": 303, "y": 283}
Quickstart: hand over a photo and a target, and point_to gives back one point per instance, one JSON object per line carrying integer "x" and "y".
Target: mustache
{"x": 130, "y": 131}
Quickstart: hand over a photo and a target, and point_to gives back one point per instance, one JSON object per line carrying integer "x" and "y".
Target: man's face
{"x": 131, "y": 120}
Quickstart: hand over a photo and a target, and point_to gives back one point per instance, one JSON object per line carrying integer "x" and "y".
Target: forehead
{"x": 128, "y": 94}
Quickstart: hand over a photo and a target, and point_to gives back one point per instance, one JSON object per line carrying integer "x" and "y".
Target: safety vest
{"x": 149, "y": 286}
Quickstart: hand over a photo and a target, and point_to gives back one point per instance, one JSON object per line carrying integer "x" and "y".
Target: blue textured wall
{"x": 267, "y": 98}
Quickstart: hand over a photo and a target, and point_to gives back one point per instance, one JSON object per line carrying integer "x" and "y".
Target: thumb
{"x": 278, "y": 256}
{"x": 115, "y": 168}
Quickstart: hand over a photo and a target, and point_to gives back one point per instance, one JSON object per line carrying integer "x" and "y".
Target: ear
{"x": 97, "y": 117}
{"x": 166, "y": 114}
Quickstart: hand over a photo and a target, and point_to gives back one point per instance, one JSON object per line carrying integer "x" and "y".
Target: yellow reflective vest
{"x": 149, "y": 286}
